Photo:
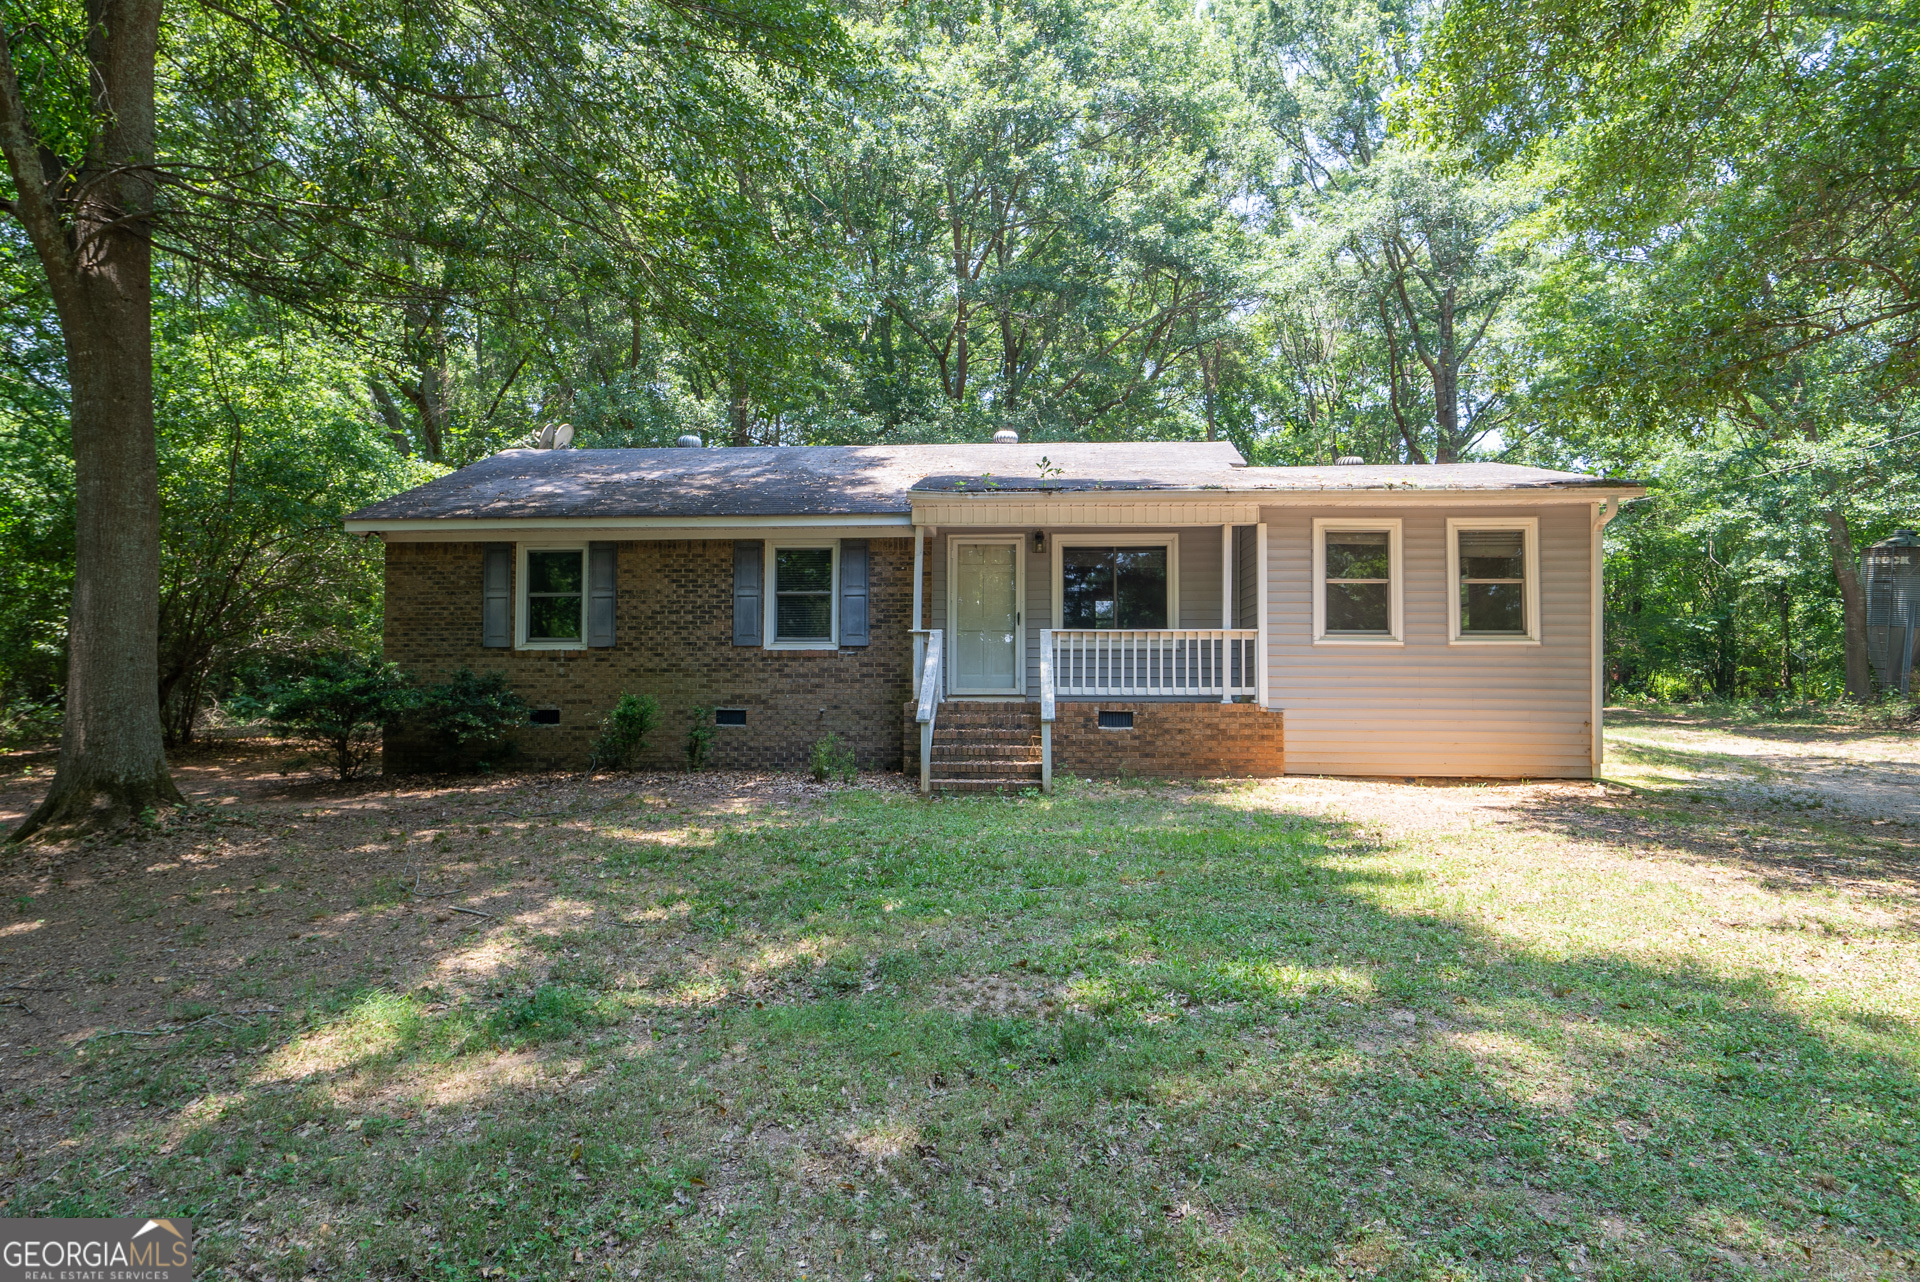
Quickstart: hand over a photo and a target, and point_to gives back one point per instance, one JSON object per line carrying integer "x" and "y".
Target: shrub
{"x": 700, "y": 739}
{"x": 470, "y": 718}
{"x": 831, "y": 758}
{"x": 341, "y": 707}
{"x": 624, "y": 731}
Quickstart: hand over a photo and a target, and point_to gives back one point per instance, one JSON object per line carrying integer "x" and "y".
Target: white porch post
{"x": 919, "y": 637}
{"x": 919, "y": 570}
{"x": 1226, "y": 608}
{"x": 1261, "y": 572}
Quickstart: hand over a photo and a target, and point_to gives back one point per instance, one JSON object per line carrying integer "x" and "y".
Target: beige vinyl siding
{"x": 1427, "y": 707}
{"x": 1199, "y": 580}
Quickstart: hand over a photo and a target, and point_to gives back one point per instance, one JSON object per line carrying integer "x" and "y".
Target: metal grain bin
{"x": 1893, "y": 609}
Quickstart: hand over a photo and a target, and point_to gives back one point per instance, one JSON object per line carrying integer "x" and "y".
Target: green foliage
{"x": 699, "y": 738}
{"x": 471, "y": 718}
{"x": 624, "y": 731}
{"x": 832, "y": 758}
{"x": 341, "y": 707}
{"x": 264, "y": 448}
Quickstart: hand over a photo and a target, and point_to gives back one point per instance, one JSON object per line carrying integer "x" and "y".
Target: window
{"x": 1117, "y": 585}
{"x": 1115, "y": 720}
{"x": 1356, "y": 599}
{"x": 544, "y": 716}
{"x": 553, "y": 601}
{"x": 729, "y": 716}
{"x": 1495, "y": 594}
{"x": 802, "y": 598}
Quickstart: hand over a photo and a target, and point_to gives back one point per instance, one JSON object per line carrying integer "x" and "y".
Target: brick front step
{"x": 987, "y": 752}
{"x": 983, "y": 738}
{"x": 985, "y": 785}
{"x": 978, "y": 768}
{"x": 997, "y": 722}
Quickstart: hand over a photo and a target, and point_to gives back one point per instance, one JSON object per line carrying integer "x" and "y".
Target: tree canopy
{"x": 341, "y": 247}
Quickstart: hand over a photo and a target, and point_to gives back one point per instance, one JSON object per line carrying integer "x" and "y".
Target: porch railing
{"x": 932, "y": 688}
{"x": 1181, "y": 663}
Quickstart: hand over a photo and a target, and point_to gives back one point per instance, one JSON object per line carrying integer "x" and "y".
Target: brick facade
{"x": 1169, "y": 741}
{"x": 673, "y": 640}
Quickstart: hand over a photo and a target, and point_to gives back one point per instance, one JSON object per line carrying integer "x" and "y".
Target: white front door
{"x": 985, "y": 611}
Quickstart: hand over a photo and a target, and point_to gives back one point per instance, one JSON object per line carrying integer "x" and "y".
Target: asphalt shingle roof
{"x": 831, "y": 480}
{"x": 788, "y": 480}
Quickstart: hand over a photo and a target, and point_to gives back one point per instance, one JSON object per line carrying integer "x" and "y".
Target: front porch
{"x": 1157, "y": 703}
{"x": 1094, "y": 640}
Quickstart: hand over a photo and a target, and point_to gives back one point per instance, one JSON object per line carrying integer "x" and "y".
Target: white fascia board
{"x": 1435, "y": 498}
{"x": 631, "y": 528}
{"x": 1194, "y": 506}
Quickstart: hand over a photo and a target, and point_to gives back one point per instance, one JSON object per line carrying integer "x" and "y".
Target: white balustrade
{"x": 1178, "y": 663}
{"x": 932, "y": 688}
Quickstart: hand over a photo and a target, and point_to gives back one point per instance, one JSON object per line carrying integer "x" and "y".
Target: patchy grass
{"x": 1303, "y": 1029}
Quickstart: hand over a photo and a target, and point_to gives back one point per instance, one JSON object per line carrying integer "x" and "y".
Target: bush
{"x": 700, "y": 739}
{"x": 470, "y": 718}
{"x": 341, "y": 707}
{"x": 831, "y": 758}
{"x": 624, "y": 731}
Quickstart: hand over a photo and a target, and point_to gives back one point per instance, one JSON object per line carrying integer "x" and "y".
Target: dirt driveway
{"x": 1874, "y": 774}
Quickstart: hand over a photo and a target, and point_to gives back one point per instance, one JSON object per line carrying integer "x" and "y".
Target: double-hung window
{"x": 553, "y": 607}
{"x": 802, "y": 601}
{"x": 1492, "y": 565}
{"x": 1356, "y": 569}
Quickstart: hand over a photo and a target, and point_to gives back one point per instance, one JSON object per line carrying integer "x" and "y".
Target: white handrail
{"x": 1180, "y": 662}
{"x": 932, "y": 691}
{"x": 1046, "y": 710}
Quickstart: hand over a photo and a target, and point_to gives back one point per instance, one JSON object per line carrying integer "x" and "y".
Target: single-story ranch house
{"x": 988, "y": 615}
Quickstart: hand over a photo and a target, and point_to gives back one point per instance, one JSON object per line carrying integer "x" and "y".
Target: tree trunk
{"x": 1853, "y": 604}
{"x": 92, "y": 239}
{"x": 1786, "y": 643}
{"x": 739, "y": 406}
{"x": 1446, "y": 387}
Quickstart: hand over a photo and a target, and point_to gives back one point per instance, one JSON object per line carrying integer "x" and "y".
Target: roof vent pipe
{"x": 1006, "y": 436}
{"x": 688, "y": 442}
{"x": 1349, "y": 460}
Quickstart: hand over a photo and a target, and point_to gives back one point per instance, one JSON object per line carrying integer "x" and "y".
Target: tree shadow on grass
{"x": 1791, "y": 839}
{"x": 1223, "y": 1040}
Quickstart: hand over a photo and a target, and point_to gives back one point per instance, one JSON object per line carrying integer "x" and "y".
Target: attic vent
{"x": 1349, "y": 460}
{"x": 1006, "y": 436}
{"x": 688, "y": 442}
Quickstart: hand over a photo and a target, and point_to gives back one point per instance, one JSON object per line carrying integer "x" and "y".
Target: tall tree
{"x": 81, "y": 161}
{"x": 1755, "y": 158}
{"x": 299, "y": 143}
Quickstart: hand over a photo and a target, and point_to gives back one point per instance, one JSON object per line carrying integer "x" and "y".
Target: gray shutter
{"x": 853, "y": 592}
{"x": 496, "y": 596}
{"x": 748, "y": 569}
{"x": 602, "y": 563}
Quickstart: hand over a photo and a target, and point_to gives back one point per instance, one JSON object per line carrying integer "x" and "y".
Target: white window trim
{"x": 1396, "y": 573}
{"x": 771, "y": 587}
{"x": 1019, "y": 544}
{"x": 1171, "y": 542}
{"x": 1530, "y": 525}
{"x": 520, "y": 584}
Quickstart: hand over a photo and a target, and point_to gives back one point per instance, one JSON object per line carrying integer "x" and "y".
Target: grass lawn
{"x": 735, "y": 1027}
